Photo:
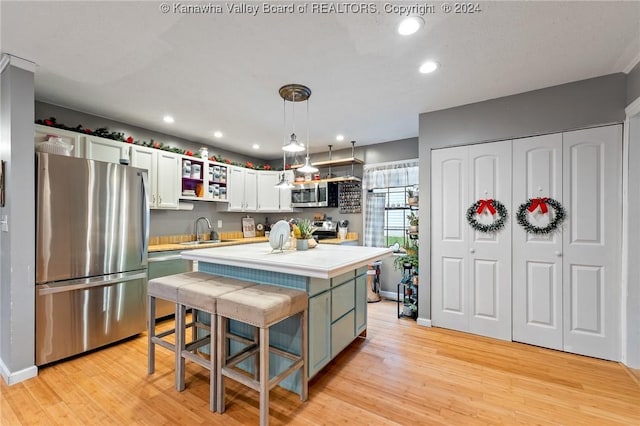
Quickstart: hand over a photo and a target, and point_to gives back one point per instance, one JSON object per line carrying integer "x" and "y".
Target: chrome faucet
{"x": 196, "y": 227}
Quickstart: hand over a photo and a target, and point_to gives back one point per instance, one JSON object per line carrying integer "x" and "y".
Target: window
{"x": 388, "y": 186}
{"x": 396, "y": 211}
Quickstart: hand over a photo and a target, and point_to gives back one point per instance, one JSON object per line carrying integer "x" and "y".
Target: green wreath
{"x": 494, "y": 206}
{"x": 534, "y": 203}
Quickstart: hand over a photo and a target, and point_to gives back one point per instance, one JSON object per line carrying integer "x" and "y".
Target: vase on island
{"x": 302, "y": 244}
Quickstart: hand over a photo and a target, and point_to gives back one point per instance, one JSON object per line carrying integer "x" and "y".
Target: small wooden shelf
{"x": 327, "y": 163}
{"x": 190, "y": 198}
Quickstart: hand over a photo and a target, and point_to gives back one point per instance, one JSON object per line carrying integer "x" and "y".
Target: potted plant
{"x": 412, "y": 196}
{"x": 306, "y": 230}
{"x": 409, "y": 260}
{"x": 413, "y": 222}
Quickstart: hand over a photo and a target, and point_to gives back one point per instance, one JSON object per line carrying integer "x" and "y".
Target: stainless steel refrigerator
{"x": 91, "y": 254}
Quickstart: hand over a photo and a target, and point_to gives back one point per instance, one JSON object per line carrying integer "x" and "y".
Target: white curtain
{"x": 374, "y": 220}
{"x": 387, "y": 175}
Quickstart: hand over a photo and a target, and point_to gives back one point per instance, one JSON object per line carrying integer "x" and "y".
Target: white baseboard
{"x": 424, "y": 322}
{"x": 11, "y": 378}
{"x": 391, "y": 295}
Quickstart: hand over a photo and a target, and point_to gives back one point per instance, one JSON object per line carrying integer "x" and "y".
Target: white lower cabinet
{"x": 163, "y": 175}
{"x": 564, "y": 287}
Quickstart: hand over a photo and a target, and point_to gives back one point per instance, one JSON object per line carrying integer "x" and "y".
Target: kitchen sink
{"x": 195, "y": 243}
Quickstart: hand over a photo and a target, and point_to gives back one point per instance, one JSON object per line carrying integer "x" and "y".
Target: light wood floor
{"x": 401, "y": 374}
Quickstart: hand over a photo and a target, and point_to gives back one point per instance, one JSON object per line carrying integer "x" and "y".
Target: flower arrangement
{"x": 103, "y": 132}
{"x": 306, "y": 228}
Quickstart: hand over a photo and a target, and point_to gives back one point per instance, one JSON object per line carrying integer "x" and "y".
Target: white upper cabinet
{"x": 168, "y": 180}
{"x": 285, "y": 193}
{"x": 162, "y": 177}
{"x": 270, "y": 198}
{"x": 251, "y": 190}
{"x": 102, "y": 149}
{"x": 43, "y": 133}
{"x": 242, "y": 187}
{"x": 147, "y": 158}
{"x": 268, "y": 194}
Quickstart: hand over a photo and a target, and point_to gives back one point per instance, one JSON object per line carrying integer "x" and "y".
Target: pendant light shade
{"x": 293, "y": 145}
{"x": 307, "y": 168}
{"x": 284, "y": 183}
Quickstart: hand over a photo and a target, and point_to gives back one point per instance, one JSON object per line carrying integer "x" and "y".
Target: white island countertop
{"x": 323, "y": 261}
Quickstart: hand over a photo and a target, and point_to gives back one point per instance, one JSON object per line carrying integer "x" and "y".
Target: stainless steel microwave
{"x": 315, "y": 194}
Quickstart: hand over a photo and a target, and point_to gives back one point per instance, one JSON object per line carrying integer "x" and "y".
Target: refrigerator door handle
{"x": 86, "y": 283}
{"x": 145, "y": 220}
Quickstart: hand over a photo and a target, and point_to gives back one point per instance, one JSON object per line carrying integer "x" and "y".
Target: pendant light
{"x": 294, "y": 93}
{"x": 284, "y": 183}
{"x": 307, "y": 168}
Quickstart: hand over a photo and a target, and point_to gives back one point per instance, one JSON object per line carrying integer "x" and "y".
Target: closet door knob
{"x": 472, "y": 250}
{"x": 559, "y": 253}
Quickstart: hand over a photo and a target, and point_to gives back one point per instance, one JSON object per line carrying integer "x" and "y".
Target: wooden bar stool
{"x": 202, "y": 296}
{"x": 261, "y": 306}
{"x": 166, "y": 288}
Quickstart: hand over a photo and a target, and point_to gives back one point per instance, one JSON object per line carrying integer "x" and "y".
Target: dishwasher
{"x": 165, "y": 263}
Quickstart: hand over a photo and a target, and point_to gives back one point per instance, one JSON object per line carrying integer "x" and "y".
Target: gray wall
{"x": 633, "y": 84}
{"x": 72, "y": 118}
{"x": 17, "y": 246}
{"x": 569, "y": 106}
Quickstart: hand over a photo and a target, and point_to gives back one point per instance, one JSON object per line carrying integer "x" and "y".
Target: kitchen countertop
{"x": 233, "y": 242}
{"x": 324, "y": 261}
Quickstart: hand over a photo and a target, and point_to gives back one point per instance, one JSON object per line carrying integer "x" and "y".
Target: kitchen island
{"x": 334, "y": 276}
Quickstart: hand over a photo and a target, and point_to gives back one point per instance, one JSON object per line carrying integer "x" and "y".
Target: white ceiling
{"x": 130, "y": 62}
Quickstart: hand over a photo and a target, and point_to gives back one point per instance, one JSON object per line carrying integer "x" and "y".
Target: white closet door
{"x": 490, "y": 253}
{"x": 537, "y": 261}
{"x": 471, "y": 271}
{"x": 591, "y": 269}
{"x": 449, "y": 229}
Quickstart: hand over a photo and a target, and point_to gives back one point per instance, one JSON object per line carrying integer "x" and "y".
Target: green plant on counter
{"x": 306, "y": 228}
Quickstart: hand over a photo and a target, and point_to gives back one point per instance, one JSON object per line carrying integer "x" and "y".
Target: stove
{"x": 326, "y": 229}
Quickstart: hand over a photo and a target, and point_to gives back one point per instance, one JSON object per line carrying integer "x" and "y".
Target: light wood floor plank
{"x": 402, "y": 374}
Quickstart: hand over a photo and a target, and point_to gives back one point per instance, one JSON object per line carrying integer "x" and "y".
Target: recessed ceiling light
{"x": 339, "y": 138}
{"x": 168, "y": 119}
{"x": 217, "y": 134}
{"x": 410, "y": 25}
{"x": 429, "y": 66}
{"x": 255, "y": 146}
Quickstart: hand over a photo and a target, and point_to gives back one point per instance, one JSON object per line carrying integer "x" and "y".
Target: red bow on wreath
{"x": 539, "y": 202}
{"x": 486, "y": 204}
